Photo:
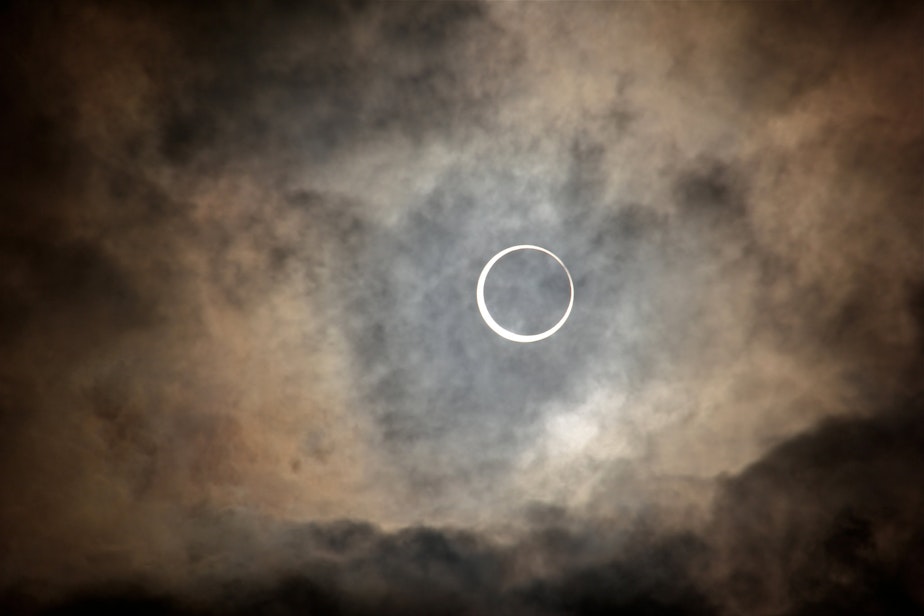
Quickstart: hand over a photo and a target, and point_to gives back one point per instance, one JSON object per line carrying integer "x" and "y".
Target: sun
{"x": 486, "y": 314}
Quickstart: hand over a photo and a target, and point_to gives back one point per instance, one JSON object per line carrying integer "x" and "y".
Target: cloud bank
{"x": 241, "y": 365}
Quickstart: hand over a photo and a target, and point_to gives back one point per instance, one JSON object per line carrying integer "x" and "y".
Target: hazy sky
{"x": 242, "y": 369}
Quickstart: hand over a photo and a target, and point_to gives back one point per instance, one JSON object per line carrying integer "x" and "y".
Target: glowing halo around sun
{"x": 486, "y": 314}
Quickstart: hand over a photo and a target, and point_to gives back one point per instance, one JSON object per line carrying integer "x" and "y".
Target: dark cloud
{"x": 706, "y": 193}
{"x": 827, "y": 521}
{"x": 794, "y": 50}
{"x": 337, "y": 73}
{"x": 822, "y": 524}
{"x": 241, "y": 365}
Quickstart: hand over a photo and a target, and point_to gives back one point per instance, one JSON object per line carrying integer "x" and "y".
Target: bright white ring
{"x": 486, "y": 315}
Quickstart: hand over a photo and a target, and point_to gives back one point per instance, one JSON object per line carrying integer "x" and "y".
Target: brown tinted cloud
{"x": 241, "y": 365}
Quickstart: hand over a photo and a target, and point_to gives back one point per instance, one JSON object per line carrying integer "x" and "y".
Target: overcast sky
{"x": 242, "y": 369}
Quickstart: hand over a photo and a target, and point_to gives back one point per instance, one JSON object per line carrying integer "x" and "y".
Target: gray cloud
{"x": 823, "y": 523}
{"x": 237, "y": 272}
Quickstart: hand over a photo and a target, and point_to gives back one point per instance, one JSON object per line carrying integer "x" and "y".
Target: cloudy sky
{"x": 242, "y": 368}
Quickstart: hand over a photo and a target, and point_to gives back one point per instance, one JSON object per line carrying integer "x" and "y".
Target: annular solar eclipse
{"x": 486, "y": 314}
{"x": 243, "y": 369}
